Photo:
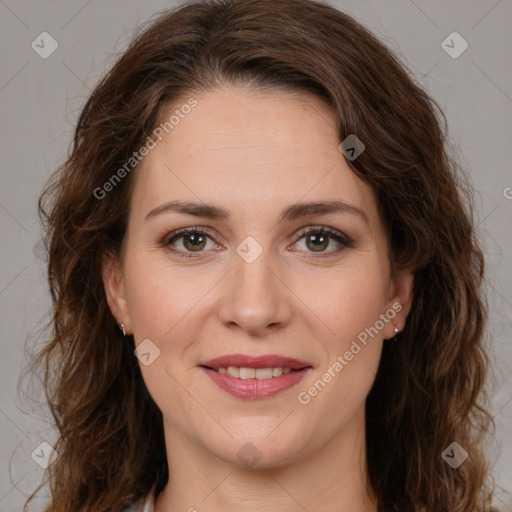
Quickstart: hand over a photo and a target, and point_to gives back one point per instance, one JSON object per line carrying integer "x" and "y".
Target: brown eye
{"x": 323, "y": 241}
{"x": 187, "y": 241}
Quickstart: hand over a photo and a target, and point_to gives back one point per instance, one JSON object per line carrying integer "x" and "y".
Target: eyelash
{"x": 342, "y": 239}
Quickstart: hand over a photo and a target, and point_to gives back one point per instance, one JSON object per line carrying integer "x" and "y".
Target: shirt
{"x": 146, "y": 504}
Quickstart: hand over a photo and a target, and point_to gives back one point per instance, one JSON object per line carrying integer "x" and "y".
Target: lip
{"x": 256, "y": 389}
{"x": 265, "y": 361}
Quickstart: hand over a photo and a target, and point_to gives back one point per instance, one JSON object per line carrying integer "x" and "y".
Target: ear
{"x": 113, "y": 281}
{"x": 401, "y": 295}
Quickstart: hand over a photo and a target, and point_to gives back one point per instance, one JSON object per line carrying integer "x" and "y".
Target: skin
{"x": 254, "y": 153}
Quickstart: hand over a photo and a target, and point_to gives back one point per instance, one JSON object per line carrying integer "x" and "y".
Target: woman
{"x": 265, "y": 276}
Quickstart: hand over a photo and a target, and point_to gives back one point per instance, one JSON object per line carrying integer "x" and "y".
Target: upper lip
{"x": 246, "y": 361}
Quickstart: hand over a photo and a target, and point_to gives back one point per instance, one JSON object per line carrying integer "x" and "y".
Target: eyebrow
{"x": 292, "y": 212}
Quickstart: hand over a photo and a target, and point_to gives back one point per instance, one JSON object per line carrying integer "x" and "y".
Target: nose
{"x": 255, "y": 298}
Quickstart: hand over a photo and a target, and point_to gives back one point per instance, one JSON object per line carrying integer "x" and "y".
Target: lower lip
{"x": 256, "y": 389}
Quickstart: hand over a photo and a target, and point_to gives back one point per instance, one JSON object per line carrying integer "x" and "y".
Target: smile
{"x": 253, "y": 373}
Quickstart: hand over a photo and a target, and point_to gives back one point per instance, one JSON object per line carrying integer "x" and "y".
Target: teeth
{"x": 263, "y": 373}
{"x": 247, "y": 373}
{"x": 253, "y": 373}
{"x": 232, "y": 371}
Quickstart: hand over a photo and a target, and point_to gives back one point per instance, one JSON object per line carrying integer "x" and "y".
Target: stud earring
{"x": 396, "y": 331}
{"x": 123, "y": 329}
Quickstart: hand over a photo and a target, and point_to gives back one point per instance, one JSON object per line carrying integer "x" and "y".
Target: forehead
{"x": 249, "y": 150}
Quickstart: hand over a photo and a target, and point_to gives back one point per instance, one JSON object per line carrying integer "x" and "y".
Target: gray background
{"x": 41, "y": 98}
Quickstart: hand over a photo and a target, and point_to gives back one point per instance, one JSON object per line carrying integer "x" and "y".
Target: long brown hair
{"x": 429, "y": 390}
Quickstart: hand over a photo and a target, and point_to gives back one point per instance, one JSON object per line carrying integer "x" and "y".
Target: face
{"x": 258, "y": 278}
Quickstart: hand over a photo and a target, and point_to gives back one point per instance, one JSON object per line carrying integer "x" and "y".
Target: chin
{"x": 257, "y": 451}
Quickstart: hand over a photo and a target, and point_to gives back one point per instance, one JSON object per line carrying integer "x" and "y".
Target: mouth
{"x": 264, "y": 362}
{"x": 255, "y": 378}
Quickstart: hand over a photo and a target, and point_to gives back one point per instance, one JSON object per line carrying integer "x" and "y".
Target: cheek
{"x": 163, "y": 304}
{"x": 352, "y": 351}
{"x": 348, "y": 301}
{"x": 160, "y": 298}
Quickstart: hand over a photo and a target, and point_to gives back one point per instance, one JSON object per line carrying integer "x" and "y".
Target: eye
{"x": 188, "y": 240}
{"x": 319, "y": 239}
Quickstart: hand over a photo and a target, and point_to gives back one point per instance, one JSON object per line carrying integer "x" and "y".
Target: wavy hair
{"x": 430, "y": 388}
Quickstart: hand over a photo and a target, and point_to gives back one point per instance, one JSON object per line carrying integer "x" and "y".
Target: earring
{"x": 123, "y": 329}
{"x": 396, "y": 331}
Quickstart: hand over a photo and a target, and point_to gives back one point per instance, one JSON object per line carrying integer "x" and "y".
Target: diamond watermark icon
{"x": 351, "y": 147}
{"x": 454, "y": 455}
{"x": 146, "y": 352}
{"x": 42, "y": 454}
{"x": 454, "y": 45}
{"x": 249, "y": 455}
{"x": 44, "y": 45}
{"x": 249, "y": 250}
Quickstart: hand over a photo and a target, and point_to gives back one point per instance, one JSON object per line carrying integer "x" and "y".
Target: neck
{"x": 330, "y": 479}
